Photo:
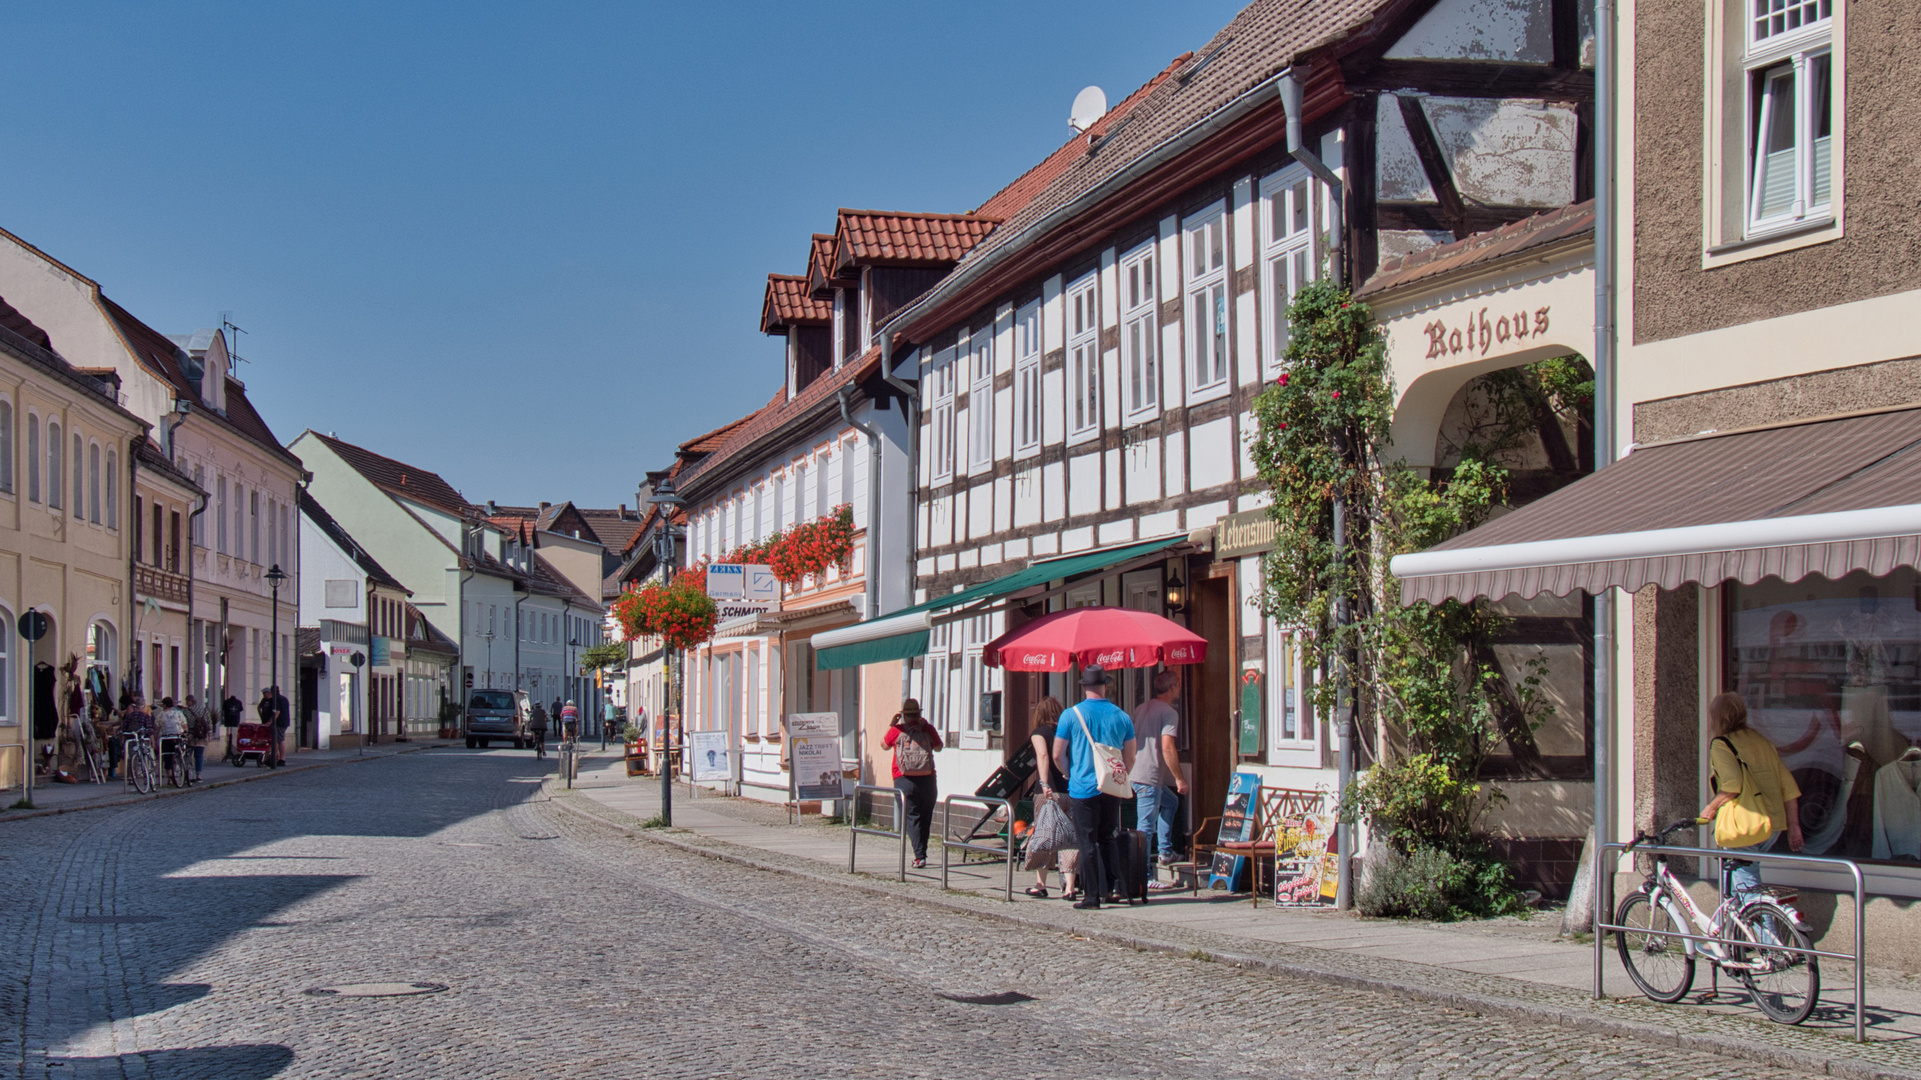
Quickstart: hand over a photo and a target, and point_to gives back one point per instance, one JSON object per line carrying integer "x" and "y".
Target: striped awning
{"x": 1826, "y": 497}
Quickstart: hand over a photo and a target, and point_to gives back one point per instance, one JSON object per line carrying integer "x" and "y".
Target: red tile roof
{"x": 11, "y": 318}
{"x": 704, "y": 444}
{"x": 1009, "y": 200}
{"x": 398, "y": 478}
{"x": 891, "y": 238}
{"x": 1265, "y": 38}
{"x": 1483, "y": 248}
{"x": 778, "y": 412}
{"x": 159, "y": 354}
{"x": 820, "y": 265}
{"x": 790, "y": 302}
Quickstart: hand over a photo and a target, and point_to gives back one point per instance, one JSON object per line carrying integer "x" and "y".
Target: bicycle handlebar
{"x": 1685, "y": 823}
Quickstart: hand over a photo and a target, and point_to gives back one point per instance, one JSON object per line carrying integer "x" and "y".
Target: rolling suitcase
{"x": 1133, "y": 871}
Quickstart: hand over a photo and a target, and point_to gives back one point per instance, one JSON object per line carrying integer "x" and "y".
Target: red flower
{"x": 1337, "y": 394}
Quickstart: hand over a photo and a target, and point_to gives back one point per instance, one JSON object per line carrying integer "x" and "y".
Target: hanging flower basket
{"x": 808, "y": 548}
{"x": 679, "y": 612}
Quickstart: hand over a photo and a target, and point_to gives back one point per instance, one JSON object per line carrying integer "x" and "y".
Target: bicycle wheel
{"x": 141, "y": 770}
{"x": 1661, "y": 966}
{"x": 1785, "y": 985}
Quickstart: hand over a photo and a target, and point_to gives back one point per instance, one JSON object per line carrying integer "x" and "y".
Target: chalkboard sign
{"x": 1239, "y": 817}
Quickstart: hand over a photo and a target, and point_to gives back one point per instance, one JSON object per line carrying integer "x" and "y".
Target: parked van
{"x": 506, "y": 715}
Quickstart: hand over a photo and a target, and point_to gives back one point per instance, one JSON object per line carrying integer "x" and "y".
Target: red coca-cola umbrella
{"x": 1109, "y": 636}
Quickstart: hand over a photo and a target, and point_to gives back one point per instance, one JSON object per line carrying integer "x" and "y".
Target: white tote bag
{"x": 1110, "y": 765}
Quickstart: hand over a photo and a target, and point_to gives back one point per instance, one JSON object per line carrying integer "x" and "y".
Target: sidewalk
{"x": 1517, "y": 967}
{"x": 51, "y": 798}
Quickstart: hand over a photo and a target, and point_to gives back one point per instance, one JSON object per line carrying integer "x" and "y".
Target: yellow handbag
{"x": 1743, "y": 822}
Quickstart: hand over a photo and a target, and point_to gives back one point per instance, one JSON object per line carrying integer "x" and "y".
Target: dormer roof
{"x": 895, "y": 238}
{"x": 789, "y": 303}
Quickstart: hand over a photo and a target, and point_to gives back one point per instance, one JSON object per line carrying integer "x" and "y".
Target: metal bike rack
{"x": 26, "y": 770}
{"x": 1604, "y": 909}
{"x": 855, "y": 831}
{"x": 947, "y": 845}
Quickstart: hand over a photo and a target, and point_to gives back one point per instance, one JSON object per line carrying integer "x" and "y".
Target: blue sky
{"x": 522, "y": 245}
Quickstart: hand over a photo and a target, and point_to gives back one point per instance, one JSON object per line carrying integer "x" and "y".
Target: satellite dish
{"x": 1089, "y": 105}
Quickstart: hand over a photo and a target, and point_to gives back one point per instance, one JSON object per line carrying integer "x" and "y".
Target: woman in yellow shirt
{"x": 1736, "y": 744}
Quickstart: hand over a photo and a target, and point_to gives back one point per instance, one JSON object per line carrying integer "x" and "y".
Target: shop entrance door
{"x": 1210, "y": 696}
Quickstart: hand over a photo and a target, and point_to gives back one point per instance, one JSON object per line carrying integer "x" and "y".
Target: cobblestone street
{"x": 184, "y": 937}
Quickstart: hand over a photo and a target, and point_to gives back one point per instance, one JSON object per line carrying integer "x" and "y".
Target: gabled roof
{"x": 1009, "y": 200}
{"x": 615, "y": 528}
{"x": 397, "y": 478}
{"x": 1102, "y": 187}
{"x": 344, "y": 540}
{"x": 893, "y": 238}
{"x": 789, "y": 302}
{"x": 704, "y": 444}
{"x": 778, "y": 414}
{"x": 158, "y": 353}
{"x": 547, "y": 580}
{"x": 1483, "y": 248}
{"x": 820, "y": 265}
{"x": 153, "y": 459}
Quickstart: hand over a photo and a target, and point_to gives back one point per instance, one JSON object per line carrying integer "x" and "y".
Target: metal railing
{"x": 948, "y": 844}
{"x": 1604, "y": 909}
{"x": 26, "y": 770}
{"x": 855, "y": 829}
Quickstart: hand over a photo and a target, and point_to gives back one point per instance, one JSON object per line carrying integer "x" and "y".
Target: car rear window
{"x": 492, "y": 699}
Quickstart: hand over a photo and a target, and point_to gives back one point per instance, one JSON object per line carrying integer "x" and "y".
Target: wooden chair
{"x": 1272, "y": 808}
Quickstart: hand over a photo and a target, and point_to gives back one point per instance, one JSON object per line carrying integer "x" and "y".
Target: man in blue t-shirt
{"x": 1096, "y": 816}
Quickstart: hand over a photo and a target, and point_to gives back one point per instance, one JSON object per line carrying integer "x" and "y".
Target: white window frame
{"x": 1027, "y": 380}
{"x": 1139, "y": 302}
{"x": 56, "y": 475}
{"x": 113, "y": 489}
{"x": 1286, "y": 693}
{"x": 1289, "y": 223}
{"x": 1081, "y": 314}
{"x": 940, "y": 414}
{"x": 980, "y": 398}
{"x": 93, "y": 481}
{"x": 6, "y": 445}
{"x": 1204, "y": 259}
{"x": 77, "y": 464}
{"x": 1792, "y": 55}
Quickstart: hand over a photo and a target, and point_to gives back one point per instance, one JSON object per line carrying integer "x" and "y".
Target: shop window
{"x": 1290, "y": 717}
{"x": 1831, "y": 673}
{"x": 1545, "y": 662}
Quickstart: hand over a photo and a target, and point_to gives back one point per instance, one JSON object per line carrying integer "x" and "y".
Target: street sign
{"x": 34, "y": 625}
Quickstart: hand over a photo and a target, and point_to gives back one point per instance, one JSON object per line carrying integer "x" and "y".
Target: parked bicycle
{"x": 173, "y": 761}
{"x": 1749, "y": 937}
{"x": 142, "y": 771}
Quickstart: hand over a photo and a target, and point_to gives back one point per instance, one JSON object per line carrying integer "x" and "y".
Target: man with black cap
{"x": 1094, "y": 749}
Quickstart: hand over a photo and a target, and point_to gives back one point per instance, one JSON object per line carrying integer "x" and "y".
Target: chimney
{"x": 545, "y": 505}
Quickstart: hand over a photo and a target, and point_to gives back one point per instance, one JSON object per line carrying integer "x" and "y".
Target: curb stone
{"x": 1655, "y": 1034}
{"x": 209, "y": 785}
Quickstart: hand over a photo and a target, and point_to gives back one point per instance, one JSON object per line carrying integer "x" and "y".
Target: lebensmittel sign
{"x": 1249, "y": 532}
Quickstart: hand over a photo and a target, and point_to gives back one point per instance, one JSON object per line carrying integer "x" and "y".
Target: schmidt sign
{"x": 1249, "y": 532}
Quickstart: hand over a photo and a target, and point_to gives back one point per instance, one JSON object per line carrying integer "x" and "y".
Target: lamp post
{"x": 666, "y": 499}
{"x": 275, "y": 575}
{"x": 489, "y": 635}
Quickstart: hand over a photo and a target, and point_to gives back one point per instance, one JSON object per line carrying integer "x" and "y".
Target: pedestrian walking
{"x": 537, "y": 724}
{"x": 1091, "y": 736}
{"x": 199, "y": 730}
{"x": 1049, "y": 787}
{"x": 914, "y": 742}
{"x": 1156, "y": 775}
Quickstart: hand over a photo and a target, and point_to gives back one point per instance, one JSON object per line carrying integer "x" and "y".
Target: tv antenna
{"x": 233, "y": 349}
{"x": 1089, "y": 105}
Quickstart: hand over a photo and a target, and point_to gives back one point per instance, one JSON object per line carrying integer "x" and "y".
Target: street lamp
{"x": 666, "y": 499}
{"x": 275, "y": 575}
{"x": 489, "y": 635}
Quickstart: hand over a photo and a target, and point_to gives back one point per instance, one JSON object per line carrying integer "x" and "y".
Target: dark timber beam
{"x": 1440, "y": 177}
{"x": 1430, "y": 218}
{"x": 1468, "y": 79}
{"x": 1566, "y": 28}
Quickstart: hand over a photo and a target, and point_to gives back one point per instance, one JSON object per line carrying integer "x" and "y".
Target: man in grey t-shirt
{"x": 1156, "y": 776}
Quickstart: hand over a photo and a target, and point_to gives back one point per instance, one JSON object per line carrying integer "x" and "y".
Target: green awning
{"x": 903, "y": 634}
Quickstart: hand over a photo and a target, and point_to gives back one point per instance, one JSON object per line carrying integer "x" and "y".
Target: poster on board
{"x": 1238, "y": 819}
{"x": 710, "y": 756}
{"x": 817, "y": 772}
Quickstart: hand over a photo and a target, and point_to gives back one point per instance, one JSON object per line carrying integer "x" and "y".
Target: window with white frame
{"x": 940, "y": 421}
{"x": 93, "y": 483}
{"x": 1287, "y": 253}
{"x": 1083, "y": 358}
{"x": 1027, "y": 378}
{"x": 824, "y": 473}
{"x": 78, "y": 463}
{"x": 113, "y": 490}
{"x": 1206, "y": 254}
{"x": 1140, "y": 333}
{"x": 33, "y": 457}
{"x": 1789, "y": 76}
{"x": 980, "y": 398}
